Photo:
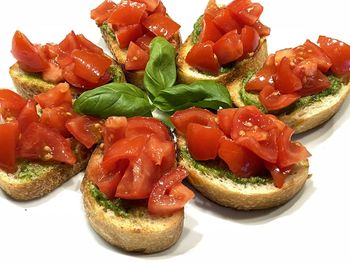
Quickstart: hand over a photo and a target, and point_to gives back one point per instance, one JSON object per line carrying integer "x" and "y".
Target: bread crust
{"x": 186, "y": 74}
{"x": 227, "y": 193}
{"x": 143, "y": 234}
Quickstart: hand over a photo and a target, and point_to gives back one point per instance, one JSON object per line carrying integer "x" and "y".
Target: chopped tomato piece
{"x": 226, "y": 22}
{"x": 101, "y": 13}
{"x": 261, "y": 29}
{"x": 278, "y": 175}
{"x": 114, "y": 130}
{"x": 8, "y": 138}
{"x": 182, "y": 118}
{"x": 241, "y": 161}
{"x": 338, "y": 52}
{"x": 288, "y": 53}
{"x": 27, "y": 54}
{"x": 161, "y": 9}
{"x": 147, "y": 126}
{"x": 69, "y": 43}
{"x": 28, "y": 115}
{"x": 57, "y": 96}
{"x": 127, "y": 13}
{"x": 314, "y": 84}
{"x": 151, "y": 4}
{"x": 86, "y": 130}
{"x": 87, "y": 45}
{"x": 289, "y": 152}
{"x": 169, "y": 195}
{"x": 212, "y": 8}
{"x": 56, "y": 118}
{"x": 203, "y": 147}
{"x": 127, "y": 34}
{"x": 202, "y": 57}
{"x": 53, "y": 73}
{"x": 246, "y": 12}
{"x": 225, "y": 120}
{"x": 108, "y": 184}
{"x": 144, "y": 41}
{"x": 250, "y": 39}
{"x": 228, "y": 48}
{"x": 136, "y": 58}
{"x": 161, "y": 25}
{"x": 39, "y": 142}
{"x": 209, "y": 30}
{"x": 90, "y": 66}
{"x": 11, "y": 104}
{"x": 263, "y": 77}
{"x": 51, "y": 51}
{"x": 286, "y": 80}
{"x": 272, "y": 99}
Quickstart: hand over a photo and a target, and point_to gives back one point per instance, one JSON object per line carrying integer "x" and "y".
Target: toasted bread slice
{"x": 138, "y": 231}
{"x": 305, "y": 117}
{"x": 36, "y": 179}
{"x": 243, "y": 195}
{"x": 186, "y": 74}
{"x": 30, "y": 84}
{"x": 134, "y": 77}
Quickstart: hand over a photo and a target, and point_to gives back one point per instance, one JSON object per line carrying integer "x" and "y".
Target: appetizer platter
{"x": 141, "y": 130}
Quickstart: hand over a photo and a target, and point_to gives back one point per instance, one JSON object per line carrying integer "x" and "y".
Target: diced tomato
{"x": 28, "y": 115}
{"x": 272, "y": 99}
{"x": 114, "y": 130}
{"x": 103, "y": 11}
{"x": 202, "y": 57}
{"x": 278, "y": 175}
{"x": 250, "y": 39}
{"x": 161, "y": 25}
{"x": 53, "y": 73}
{"x": 209, "y": 30}
{"x": 263, "y": 77}
{"x": 69, "y": 43}
{"x": 127, "y": 34}
{"x": 39, "y": 142}
{"x": 261, "y": 29}
{"x": 246, "y": 12}
{"x": 11, "y": 104}
{"x": 50, "y": 50}
{"x": 151, "y": 4}
{"x": 288, "y": 53}
{"x": 127, "y": 13}
{"x": 212, "y": 8}
{"x": 147, "y": 126}
{"x": 144, "y": 41}
{"x": 169, "y": 195}
{"x": 109, "y": 183}
{"x": 161, "y": 9}
{"x": 225, "y": 120}
{"x": 290, "y": 153}
{"x": 8, "y": 138}
{"x": 286, "y": 80}
{"x": 136, "y": 58}
{"x": 90, "y": 66}
{"x": 242, "y": 162}
{"x": 226, "y": 22}
{"x": 314, "y": 84}
{"x": 182, "y": 118}
{"x": 228, "y": 48}
{"x": 338, "y": 52}
{"x": 87, "y": 45}
{"x": 86, "y": 130}
{"x": 57, "y": 96}
{"x": 203, "y": 141}
{"x": 56, "y": 118}
{"x": 27, "y": 54}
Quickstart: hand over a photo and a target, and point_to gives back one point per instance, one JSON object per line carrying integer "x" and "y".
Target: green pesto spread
{"x": 116, "y": 73}
{"x": 29, "y": 170}
{"x": 250, "y": 98}
{"x": 105, "y": 27}
{"x": 114, "y": 205}
{"x": 217, "y": 169}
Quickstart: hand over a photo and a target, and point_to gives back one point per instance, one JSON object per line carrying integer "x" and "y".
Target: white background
{"x": 314, "y": 226}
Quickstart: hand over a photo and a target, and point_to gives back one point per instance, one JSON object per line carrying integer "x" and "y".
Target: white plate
{"x": 313, "y": 226}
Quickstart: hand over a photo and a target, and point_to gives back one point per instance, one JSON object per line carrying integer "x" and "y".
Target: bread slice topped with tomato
{"x": 132, "y": 190}
{"x": 226, "y": 43}
{"x": 240, "y": 158}
{"x": 128, "y": 28}
{"x": 75, "y": 60}
{"x": 43, "y": 142}
{"x": 304, "y": 86}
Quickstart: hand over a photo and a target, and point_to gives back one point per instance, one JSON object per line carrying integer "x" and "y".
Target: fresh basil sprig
{"x": 203, "y": 93}
{"x": 160, "y": 72}
{"x": 114, "y": 99}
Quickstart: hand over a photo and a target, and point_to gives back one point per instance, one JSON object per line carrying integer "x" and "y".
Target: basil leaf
{"x": 160, "y": 72}
{"x": 203, "y": 93}
{"x": 114, "y": 99}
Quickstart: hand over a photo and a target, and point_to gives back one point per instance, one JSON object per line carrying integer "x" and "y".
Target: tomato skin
{"x": 27, "y": 115}
{"x": 169, "y": 195}
{"x": 136, "y": 58}
{"x": 228, "y": 48}
{"x": 57, "y": 96}
{"x": 209, "y": 30}
{"x": 127, "y": 13}
{"x": 250, "y": 39}
{"x": 161, "y": 9}
{"x": 204, "y": 147}
{"x": 225, "y": 120}
{"x": 147, "y": 126}
{"x": 69, "y": 43}
{"x": 11, "y": 103}
{"x": 241, "y": 161}
{"x": 103, "y": 11}
{"x": 226, "y": 22}
{"x": 202, "y": 57}
{"x": 314, "y": 84}
{"x": 262, "y": 30}
{"x": 212, "y": 8}
{"x": 39, "y": 142}
{"x": 87, "y": 45}
{"x": 144, "y": 41}
{"x": 56, "y": 118}
{"x": 246, "y": 12}
{"x": 272, "y": 99}
{"x": 182, "y": 118}
{"x": 338, "y": 52}
{"x": 9, "y": 132}
{"x": 127, "y": 34}
{"x": 286, "y": 80}
{"x": 151, "y": 4}
{"x": 161, "y": 25}
{"x": 27, "y": 54}
{"x": 278, "y": 175}
{"x": 114, "y": 130}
